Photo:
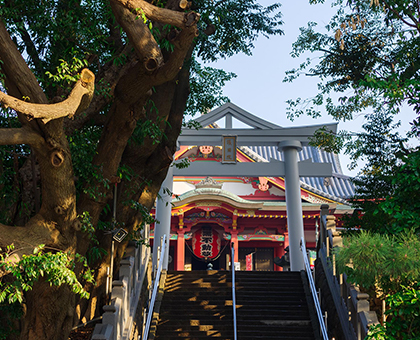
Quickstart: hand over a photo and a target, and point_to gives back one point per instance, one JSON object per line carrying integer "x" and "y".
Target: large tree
{"x": 96, "y": 95}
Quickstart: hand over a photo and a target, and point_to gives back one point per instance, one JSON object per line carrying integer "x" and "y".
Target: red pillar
{"x": 286, "y": 239}
{"x": 279, "y": 252}
{"x": 180, "y": 251}
{"x": 235, "y": 242}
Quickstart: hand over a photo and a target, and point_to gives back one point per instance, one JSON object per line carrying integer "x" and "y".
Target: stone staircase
{"x": 270, "y": 305}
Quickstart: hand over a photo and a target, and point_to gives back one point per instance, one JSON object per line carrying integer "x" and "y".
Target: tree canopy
{"x": 94, "y": 94}
{"x": 369, "y": 64}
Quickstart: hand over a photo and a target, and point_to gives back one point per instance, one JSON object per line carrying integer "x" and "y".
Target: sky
{"x": 259, "y": 87}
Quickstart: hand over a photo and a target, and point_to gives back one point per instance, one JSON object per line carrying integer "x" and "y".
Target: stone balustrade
{"x": 118, "y": 317}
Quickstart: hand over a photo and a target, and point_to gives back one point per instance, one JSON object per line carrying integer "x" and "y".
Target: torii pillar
{"x": 163, "y": 215}
{"x": 290, "y": 150}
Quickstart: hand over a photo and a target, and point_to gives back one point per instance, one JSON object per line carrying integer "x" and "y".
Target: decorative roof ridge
{"x": 341, "y": 175}
{"x": 209, "y": 182}
{"x": 337, "y": 163}
{"x": 256, "y": 157}
{"x": 322, "y": 193}
{"x": 238, "y": 113}
{"x": 214, "y": 191}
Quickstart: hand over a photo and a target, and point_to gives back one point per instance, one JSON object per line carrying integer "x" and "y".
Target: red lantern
{"x": 206, "y": 243}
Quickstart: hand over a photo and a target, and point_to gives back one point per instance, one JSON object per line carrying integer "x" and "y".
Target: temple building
{"x": 211, "y": 212}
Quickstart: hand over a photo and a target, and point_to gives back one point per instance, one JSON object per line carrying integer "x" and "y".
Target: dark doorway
{"x": 263, "y": 259}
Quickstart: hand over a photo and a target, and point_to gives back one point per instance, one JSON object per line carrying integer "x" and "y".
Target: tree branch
{"x": 166, "y": 16}
{"x": 25, "y": 239}
{"x": 140, "y": 36}
{"x": 22, "y": 135}
{"x": 31, "y": 49}
{"x": 107, "y": 79}
{"x": 78, "y": 100}
{"x": 16, "y": 69}
{"x": 399, "y": 16}
{"x": 171, "y": 68}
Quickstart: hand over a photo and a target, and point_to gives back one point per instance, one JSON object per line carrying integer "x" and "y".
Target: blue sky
{"x": 259, "y": 87}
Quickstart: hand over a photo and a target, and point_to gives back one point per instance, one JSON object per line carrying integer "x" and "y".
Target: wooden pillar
{"x": 180, "y": 250}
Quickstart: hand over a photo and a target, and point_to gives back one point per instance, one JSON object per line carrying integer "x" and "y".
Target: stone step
{"x": 248, "y": 315}
{"x": 243, "y": 337}
{"x": 198, "y": 305}
{"x": 270, "y": 297}
{"x": 228, "y": 305}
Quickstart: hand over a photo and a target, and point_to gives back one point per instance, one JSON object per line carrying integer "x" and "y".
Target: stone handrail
{"x": 312, "y": 287}
{"x": 156, "y": 284}
{"x": 118, "y": 317}
{"x": 352, "y": 306}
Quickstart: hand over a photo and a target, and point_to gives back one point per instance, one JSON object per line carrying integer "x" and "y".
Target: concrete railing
{"x": 118, "y": 317}
{"x": 352, "y": 306}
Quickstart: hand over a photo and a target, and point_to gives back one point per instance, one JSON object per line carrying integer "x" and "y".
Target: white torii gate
{"x": 288, "y": 140}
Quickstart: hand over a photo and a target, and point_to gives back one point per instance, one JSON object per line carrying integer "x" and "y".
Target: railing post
{"x": 233, "y": 293}
{"x": 312, "y": 287}
{"x": 362, "y": 306}
{"x": 155, "y": 285}
{"x": 110, "y": 318}
{"x": 324, "y": 212}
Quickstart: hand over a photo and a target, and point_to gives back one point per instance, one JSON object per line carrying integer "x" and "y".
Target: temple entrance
{"x": 194, "y": 263}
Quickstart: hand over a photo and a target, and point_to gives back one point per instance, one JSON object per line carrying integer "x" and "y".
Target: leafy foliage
{"x": 206, "y": 85}
{"x": 237, "y": 24}
{"x": 403, "y": 316}
{"x": 58, "y": 31}
{"x": 387, "y": 266}
{"x": 12, "y": 159}
{"x": 10, "y": 314}
{"x": 389, "y": 197}
{"x": 56, "y": 268}
{"x": 368, "y": 56}
{"x": 387, "y": 262}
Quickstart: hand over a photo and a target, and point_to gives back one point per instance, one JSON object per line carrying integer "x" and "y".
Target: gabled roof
{"x": 238, "y": 113}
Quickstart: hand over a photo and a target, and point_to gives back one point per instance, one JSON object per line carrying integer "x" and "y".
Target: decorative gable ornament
{"x": 208, "y": 182}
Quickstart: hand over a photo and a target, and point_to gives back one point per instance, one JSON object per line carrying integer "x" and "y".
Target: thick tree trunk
{"x": 49, "y": 313}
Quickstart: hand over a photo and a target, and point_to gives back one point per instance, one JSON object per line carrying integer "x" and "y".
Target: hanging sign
{"x": 249, "y": 262}
{"x": 229, "y": 149}
{"x": 206, "y": 243}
